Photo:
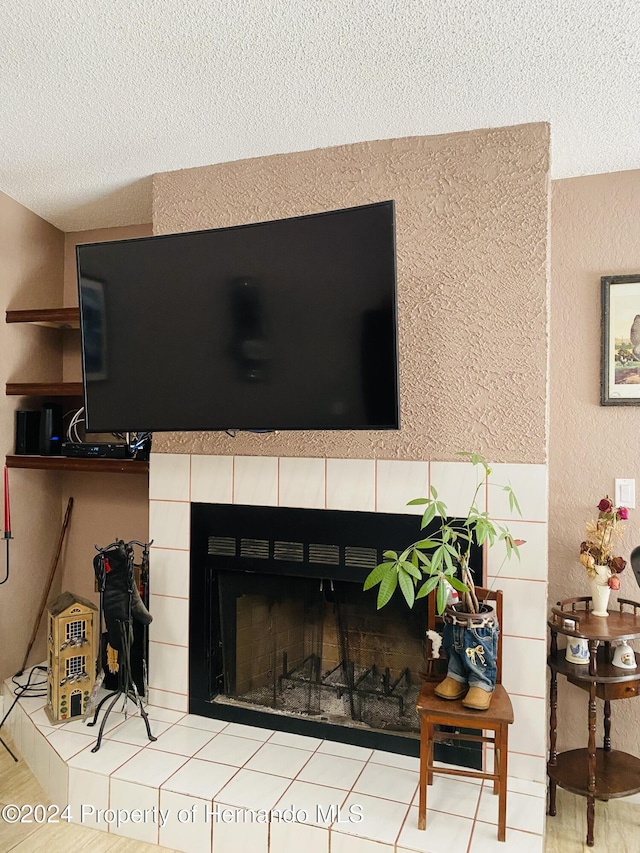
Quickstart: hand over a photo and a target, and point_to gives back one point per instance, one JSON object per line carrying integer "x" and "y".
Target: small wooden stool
{"x": 434, "y": 711}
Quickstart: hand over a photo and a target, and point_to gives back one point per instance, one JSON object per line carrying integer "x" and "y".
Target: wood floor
{"x": 617, "y": 823}
{"x": 617, "y": 826}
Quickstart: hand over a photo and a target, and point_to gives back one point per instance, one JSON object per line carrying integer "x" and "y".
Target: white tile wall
{"x": 255, "y": 480}
{"x": 169, "y": 524}
{"x": 212, "y": 479}
{"x": 286, "y": 837}
{"x": 122, "y": 798}
{"x": 524, "y": 607}
{"x": 168, "y": 668}
{"x": 302, "y": 483}
{"x": 456, "y": 484}
{"x": 398, "y": 482}
{"x": 532, "y": 561}
{"x": 528, "y": 734}
{"x": 168, "y": 699}
{"x": 88, "y": 795}
{"x": 351, "y": 484}
{"x": 170, "y": 620}
{"x": 361, "y": 485}
{"x": 169, "y": 477}
{"x": 170, "y": 572}
{"x": 186, "y": 827}
{"x": 529, "y": 483}
{"x": 524, "y": 666}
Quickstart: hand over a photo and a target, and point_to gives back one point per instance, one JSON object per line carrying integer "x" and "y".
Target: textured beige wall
{"x": 595, "y": 231}
{"x": 106, "y": 506}
{"x": 471, "y": 227}
{"x": 30, "y": 277}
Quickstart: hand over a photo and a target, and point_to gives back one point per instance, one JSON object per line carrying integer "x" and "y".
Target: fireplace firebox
{"x": 283, "y": 636}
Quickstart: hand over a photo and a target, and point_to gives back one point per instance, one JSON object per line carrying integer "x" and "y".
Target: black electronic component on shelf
{"x": 114, "y": 450}
{"x": 27, "y": 433}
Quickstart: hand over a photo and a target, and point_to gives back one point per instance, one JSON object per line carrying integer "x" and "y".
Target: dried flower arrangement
{"x": 602, "y": 534}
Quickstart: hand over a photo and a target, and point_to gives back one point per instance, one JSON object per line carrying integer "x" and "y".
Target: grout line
{"x": 514, "y": 828}
{"x": 375, "y": 485}
{"x": 164, "y": 595}
{"x": 512, "y": 518}
{"x": 404, "y": 820}
{"x": 516, "y": 578}
{"x": 233, "y": 479}
{"x": 169, "y": 548}
{"x": 172, "y": 693}
{"x": 475, "y": 816}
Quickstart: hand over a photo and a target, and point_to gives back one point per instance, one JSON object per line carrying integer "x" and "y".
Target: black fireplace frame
{"x": 371, "y": 532}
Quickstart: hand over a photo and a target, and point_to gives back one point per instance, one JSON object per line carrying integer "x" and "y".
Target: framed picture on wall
{"x": 620, "y": 367}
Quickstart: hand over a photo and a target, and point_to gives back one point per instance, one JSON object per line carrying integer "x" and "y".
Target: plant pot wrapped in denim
{"x": 470, "y": 641}
{"x": 437, "y": 565}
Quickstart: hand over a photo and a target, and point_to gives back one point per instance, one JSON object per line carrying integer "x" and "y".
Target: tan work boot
{"x": 477, "y": 699}
{"x": 451, "y": 689}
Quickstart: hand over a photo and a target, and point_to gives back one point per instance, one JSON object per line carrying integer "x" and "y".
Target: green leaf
{"x": 436, "y": 559}
{"x": 442, "y": 509}
{"x": 426, "y": 543}
{"x": 448, "y": 561}
{"x": 457, "y": 584}
{"x": 418, "y": 501}
{"x": 513, "y": 502}
{"x": 423, "y": 558}
{"x": 390, "y": 555}
{"x": 387, "y": 588}
{"x": 428, "y": 586}
{"x": 376, "y": 575}
{"x": 428, "y": 516}
{"x": 412, "y": 570}
{"x": 433, "y": 491}
{"x": 441, "y": 597}
{"x": 407, "y": 587}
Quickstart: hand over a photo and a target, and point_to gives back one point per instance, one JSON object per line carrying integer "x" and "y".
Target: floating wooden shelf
{"x": 57, "y": 318}
{"x": 72, "y": 463}
{"x": 44, "y": 389}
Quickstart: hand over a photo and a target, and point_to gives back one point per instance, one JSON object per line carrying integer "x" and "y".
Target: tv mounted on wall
{"x": 289, "y": 324}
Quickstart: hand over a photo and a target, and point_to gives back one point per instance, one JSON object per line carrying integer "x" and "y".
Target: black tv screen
{"x": 289, "y": 324}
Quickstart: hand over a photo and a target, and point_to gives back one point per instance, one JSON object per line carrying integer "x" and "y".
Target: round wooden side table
{"x": 594, "y": 773}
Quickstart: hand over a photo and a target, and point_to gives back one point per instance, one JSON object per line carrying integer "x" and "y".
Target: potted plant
{"x": 439, "y": 564}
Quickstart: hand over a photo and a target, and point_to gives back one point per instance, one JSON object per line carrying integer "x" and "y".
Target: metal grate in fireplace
{"x": 282, "y": 634}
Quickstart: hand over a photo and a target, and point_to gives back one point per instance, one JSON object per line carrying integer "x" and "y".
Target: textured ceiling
{"x": 97, "y": 95}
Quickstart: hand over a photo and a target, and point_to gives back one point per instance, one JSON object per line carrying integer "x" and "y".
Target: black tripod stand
{"x": 120, "y": 604}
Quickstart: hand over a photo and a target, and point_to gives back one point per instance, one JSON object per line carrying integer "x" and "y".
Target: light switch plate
{"x": 625, "y": 493}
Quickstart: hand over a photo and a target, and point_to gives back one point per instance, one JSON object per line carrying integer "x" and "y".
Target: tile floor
{"x": 205, "y": 784}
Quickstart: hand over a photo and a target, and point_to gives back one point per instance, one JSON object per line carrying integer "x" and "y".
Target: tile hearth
{"x": 207, "y": 785}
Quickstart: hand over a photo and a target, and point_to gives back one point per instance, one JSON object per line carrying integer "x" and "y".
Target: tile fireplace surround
{"x": 199, "y": 761}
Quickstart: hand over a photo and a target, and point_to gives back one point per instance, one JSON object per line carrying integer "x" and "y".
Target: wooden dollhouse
{"x": 72, "y": 647}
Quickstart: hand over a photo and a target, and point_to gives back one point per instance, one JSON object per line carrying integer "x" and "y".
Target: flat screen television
{"x": 289, "y": 324}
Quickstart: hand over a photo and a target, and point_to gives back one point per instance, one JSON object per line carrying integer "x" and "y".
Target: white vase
{"x": 600, "y": 590}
